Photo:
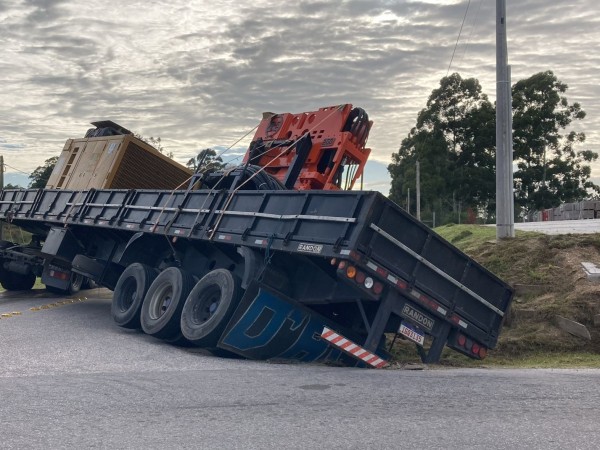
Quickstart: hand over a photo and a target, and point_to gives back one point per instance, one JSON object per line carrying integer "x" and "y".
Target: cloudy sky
{"x": 199, "y": 73}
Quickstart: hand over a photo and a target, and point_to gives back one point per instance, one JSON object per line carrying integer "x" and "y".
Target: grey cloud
{"x": 201, "y": 80}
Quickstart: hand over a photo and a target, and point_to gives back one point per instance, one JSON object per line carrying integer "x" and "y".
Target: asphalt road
{"x": 69, "y": 378}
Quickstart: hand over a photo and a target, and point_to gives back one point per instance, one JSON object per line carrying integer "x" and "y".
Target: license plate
{"x": 412, "y": 333}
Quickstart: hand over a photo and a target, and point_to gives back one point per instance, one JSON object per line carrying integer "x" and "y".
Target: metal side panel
{"x": 409, "y": 249}
{"x": 310, "y": 217}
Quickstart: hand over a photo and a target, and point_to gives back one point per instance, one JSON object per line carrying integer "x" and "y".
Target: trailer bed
{"x": 363, "y": 227}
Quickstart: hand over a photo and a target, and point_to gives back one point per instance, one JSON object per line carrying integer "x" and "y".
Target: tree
{"x": 454, "y": 142}
{"x": 550, "y": 170}
{"x": 155, "y": 142}
{"x": 39, "y": 177}
{"x": 12, "y": 186}
{"x": 207, "y": 159}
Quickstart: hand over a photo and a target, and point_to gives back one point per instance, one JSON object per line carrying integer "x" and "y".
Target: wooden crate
{"x": 115, "y": 162}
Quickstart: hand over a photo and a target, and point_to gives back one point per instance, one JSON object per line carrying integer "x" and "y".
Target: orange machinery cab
{"x": 333, "y": 140}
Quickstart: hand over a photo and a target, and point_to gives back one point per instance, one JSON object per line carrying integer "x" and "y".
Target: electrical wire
{"x": 14, "y": 168}
{"x": 471, "y": 32}
{"x": 458, "y": 38}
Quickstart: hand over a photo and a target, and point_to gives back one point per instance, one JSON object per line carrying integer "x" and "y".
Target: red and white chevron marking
{"x": 352, "y": 349}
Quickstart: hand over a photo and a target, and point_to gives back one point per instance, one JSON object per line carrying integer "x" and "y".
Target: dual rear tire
{"x": 209, "y": 306}
{"x": 12, "y": 281}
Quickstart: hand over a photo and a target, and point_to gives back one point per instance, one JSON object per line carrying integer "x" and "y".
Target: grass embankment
{"x": 555, "y": 284}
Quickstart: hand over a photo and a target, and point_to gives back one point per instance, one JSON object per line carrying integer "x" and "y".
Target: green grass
{"x": 405, "y": 353}
{"x": 551, "y": 267}
{"x": 13, "y": 233}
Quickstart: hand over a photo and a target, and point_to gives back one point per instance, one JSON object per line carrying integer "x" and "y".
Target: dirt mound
{"x": 549, "y": 280}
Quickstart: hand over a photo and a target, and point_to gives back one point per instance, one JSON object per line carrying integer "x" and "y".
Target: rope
{"x": 153, "y": 229}
{"x": 229, "y": 148}
{"x": 268, "y": 257}
{"x": 230, "y": 198}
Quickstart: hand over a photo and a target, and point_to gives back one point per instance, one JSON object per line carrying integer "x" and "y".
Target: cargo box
{"x": 115, "y": 162}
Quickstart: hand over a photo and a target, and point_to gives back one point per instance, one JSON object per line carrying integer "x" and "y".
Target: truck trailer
{"x": 275, "y": 259}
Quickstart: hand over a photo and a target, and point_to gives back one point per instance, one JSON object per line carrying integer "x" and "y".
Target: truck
{"x": 274, "y": 259}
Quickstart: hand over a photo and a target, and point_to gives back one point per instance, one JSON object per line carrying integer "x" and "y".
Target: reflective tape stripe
{"x": 372, "y": 266}
{"x": 352, "y": 349}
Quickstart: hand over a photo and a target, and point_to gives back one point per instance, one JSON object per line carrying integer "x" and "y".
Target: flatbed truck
{"x": 271, "y": 259}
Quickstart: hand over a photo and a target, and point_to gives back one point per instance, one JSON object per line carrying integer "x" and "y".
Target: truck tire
{"x": 88, "y": 283}
{"x": 75, "y": 285}
{"x": 16, "y": 282}
{"x": 129, "y": 294}
{"x": 209, "y": 307}
{"x": 161, "y": 311}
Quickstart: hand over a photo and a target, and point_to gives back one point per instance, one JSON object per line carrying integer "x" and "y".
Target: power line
{"x": 458, "y": 38}
{"x": 14, "y": 168}
{"x": 471, "y": 32}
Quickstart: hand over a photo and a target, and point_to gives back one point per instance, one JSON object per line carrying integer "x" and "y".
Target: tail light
{"x": 351, "y": 272}
{"x": 360, "y": 277}
{"x": 477, "y": 350}
{"x": 377, "y": 288}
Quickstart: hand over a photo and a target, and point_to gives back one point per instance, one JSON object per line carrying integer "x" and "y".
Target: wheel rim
{"x": 129, "y": 294}
{"x": 77, "y": 281}
{"x": 206, "y": 305}
{"x": 160, "y": 301}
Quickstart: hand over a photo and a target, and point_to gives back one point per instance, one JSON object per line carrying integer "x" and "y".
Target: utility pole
{"x": 408, "y": 201}
{"x": 505, "y": 221}
{"x": 418, "y": 191}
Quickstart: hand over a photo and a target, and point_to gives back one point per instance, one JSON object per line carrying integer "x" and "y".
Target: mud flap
{"x": 269, "y": 325}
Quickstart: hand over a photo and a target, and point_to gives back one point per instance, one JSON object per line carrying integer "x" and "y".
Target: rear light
{"x": 342, "y": 265}
{"x": 333, "y": 261}
{"x": 369, "y": 282}
{"x": 475, "y": 348}
{"x": 351, "y": 272}
{"x": 59, "y": 275}
{"x": 482, "y": 352}
{"x": 462, "y": 340}
{"x": 378, "y": 288}
{"x": 360, "y": 277}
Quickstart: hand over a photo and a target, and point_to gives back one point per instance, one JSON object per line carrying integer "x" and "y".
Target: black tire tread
{"x": 130, "y": 318}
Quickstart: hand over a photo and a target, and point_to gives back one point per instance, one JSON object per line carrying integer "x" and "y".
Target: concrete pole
{"x": 418, "y": 191}
{"x": 504, "y": 217}
{"x": 510, "y": 159}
